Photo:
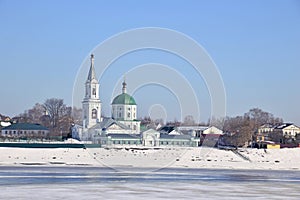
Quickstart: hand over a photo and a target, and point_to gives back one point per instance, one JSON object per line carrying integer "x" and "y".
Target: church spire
{"x": 92, "y": 74}
{"x": 124, "y": 86}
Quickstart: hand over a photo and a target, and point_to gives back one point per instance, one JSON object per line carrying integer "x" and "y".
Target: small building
{"x": 211, "y": 136}
{"x": 283, "y": 133}
{"x": 288, "y": 129}
{"x": 25, "y": 130}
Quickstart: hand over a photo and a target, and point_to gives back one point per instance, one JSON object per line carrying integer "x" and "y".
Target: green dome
{"x": 124, "y": 99}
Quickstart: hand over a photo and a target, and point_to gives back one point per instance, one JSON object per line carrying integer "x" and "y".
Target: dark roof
{"x": 25, "y": 126}
{"x": 282, "y": 126}
{"x": 124, "y": 136}
{"x": 166, "y": 129}
{"x": 107, "y": 122}
{"x": 179, "y": 137}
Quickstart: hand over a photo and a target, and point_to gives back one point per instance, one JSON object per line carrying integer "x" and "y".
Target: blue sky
{"x": 255, "y": 45}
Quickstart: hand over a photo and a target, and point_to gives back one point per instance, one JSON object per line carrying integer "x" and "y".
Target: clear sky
{"x": 255, "y": 45}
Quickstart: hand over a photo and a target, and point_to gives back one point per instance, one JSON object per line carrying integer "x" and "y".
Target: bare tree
{"x": 244, "y": 128}
{"x": 55, "y": 109}
{"x": 189, "y": 120}
{"x": 34, "y": 115}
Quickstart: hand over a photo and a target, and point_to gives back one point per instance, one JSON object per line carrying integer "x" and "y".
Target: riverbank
{"x": 273, "y": 159}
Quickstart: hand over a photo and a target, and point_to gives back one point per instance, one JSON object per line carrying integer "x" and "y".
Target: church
{"x": 123, "y": 119}
{"x": 122, "y": 127}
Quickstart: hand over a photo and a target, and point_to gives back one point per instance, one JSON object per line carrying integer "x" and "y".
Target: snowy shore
{"x": 273, "y": 159}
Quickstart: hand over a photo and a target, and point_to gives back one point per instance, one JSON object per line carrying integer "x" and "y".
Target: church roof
{"x": 92, "y": 73}
{"x": 124, "y": 99}
{"x": 107, "y": 122}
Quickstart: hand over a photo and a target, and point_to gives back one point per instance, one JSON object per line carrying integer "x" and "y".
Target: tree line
{"x": 53, "y": 114}
{"x": 239, "y": 130}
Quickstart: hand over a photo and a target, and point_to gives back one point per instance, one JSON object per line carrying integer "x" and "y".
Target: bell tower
{"x": 91, "y": 104}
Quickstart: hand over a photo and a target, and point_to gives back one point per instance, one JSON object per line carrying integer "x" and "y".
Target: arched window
{"x": 120, "y": 115}
{"x": 94, "y": 114}
{"x": 128, "y": 115}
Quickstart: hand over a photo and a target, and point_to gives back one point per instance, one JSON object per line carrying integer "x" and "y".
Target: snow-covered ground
{"x": 276, "y": 159}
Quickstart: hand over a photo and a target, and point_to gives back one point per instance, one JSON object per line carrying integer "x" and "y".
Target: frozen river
{"x": 105, "y": 183}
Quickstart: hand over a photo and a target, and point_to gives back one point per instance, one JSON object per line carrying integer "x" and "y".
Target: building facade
{"x": 283, "y": 133}
{"x": 25, "y": 130}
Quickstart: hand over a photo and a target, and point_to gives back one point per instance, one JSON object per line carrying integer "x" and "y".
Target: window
{"x": 120, "y": 115}
{"x": 129, "y": 109}
{"x": 94, "y": 91}
{"x": 128, "y": 115}
{"x": 134, "y": 127}
{"x": 94, "y": 114}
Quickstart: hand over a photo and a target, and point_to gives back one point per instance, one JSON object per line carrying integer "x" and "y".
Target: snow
{"x": 130, "y": 158}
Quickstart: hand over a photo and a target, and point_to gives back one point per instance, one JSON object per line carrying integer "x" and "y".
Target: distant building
{"x": 25, "y": 130}
{"x": 149, "y": 138}
{"x": 205, "y": 135}
{"x": 283, "y": 133}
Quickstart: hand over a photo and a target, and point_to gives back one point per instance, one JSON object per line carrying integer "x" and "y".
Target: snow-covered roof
{"x": 107, "y": 122}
